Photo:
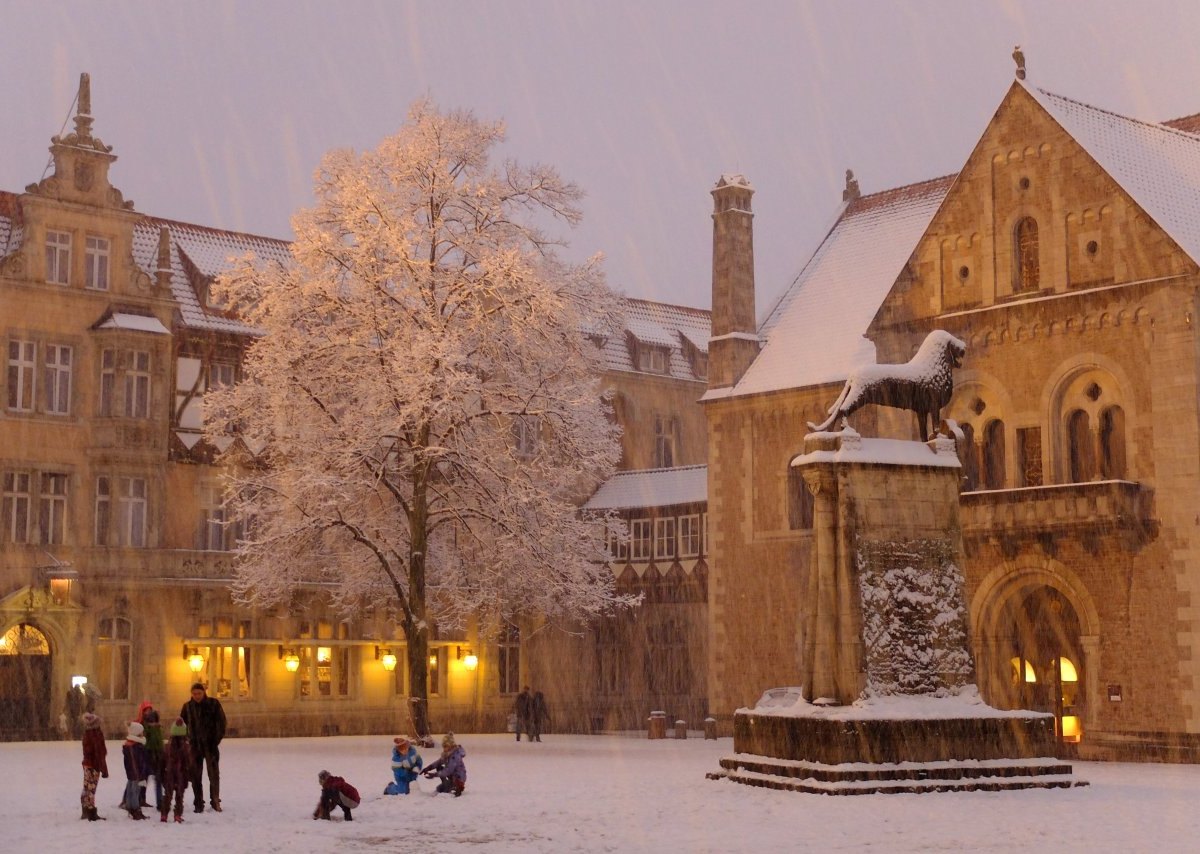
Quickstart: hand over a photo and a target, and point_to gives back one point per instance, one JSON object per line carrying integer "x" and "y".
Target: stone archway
{"x": 25, "y": 672}
{"x": 1037, "y": 644}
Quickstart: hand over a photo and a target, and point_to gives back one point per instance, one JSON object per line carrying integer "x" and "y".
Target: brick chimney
{"x": 734, "y": 342}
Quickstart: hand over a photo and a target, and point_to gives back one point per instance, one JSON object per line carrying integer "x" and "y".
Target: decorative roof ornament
{"x": 82, "y": 138}
{"x": 1018, "y": 56}
{"x": 851, "y": 192}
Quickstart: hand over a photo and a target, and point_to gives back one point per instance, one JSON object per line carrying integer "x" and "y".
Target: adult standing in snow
{"x": 205, "y": 721}
{"x": 539, "y": 716}
{"x": 523, "y": 707}
{"x": 95, "y": 763}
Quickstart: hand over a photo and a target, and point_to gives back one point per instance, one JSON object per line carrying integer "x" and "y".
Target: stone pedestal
{"x": 887, "y": 701}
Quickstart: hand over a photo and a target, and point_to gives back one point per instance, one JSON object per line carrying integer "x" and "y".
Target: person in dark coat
{"x": 95, "y": 763}
{"x": 524, "y": 711}
{"x": 176, "y": 770}
{"x": 336, "y": 792}
{"x": 205, "y": 720}
{"x": 451, "y": 768}
{"x": 137, "y": 770}
{"x": 539, "y": 716}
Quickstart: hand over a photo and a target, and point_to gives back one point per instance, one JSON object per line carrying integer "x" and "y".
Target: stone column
{"x": 821, "y": 633}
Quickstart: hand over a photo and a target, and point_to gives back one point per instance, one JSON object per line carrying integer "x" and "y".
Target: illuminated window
{"x": 114, "y": 657}
{"x": 227, "y": 666}
{"x": 325, "y": 668}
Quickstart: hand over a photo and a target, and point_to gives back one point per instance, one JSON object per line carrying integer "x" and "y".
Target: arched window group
{"x": 1096, "y": 454}
{"x": 983, "y": 462}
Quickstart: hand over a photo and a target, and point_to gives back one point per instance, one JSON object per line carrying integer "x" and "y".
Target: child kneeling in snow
{"x": 450, "y": 768}
{"x": 335, "y": 792}
{"x": 406, "y": 763}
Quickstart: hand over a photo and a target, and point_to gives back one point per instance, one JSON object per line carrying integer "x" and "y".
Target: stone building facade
{"x": 1064, "y": 253}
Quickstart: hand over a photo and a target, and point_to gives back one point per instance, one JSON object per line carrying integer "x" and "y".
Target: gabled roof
{"x": 629, "y": 490}
{"x": 210, "y": 251}
{"x": 1157, "y": 165}
{"x": 660, "y": 324}
{"x": 814, "y": 334}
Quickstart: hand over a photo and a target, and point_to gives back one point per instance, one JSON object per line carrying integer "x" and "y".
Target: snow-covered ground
{"x": 582, "y": 793}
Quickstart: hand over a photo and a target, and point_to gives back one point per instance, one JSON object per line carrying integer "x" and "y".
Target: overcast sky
{"x": 219, "y": 112}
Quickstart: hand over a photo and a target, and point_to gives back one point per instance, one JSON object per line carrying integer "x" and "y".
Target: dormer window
{"x": 95, "y": 263}
{"x": 58, "y": 257}
{"x": 654, "y": 360}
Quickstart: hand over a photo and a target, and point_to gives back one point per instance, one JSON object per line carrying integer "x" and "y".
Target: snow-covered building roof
{"x": 1157, "y": 165}
{"x": 629, "y": 490}
{"x": 201, "y": 253}
{"x": 10, "y": 224}
{"x": 814, "y": 334}
{"x": 659, "y": 324}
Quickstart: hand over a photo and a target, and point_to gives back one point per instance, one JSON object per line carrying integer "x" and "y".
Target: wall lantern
{"x": 58, "y": 580}
{"x": 291, "y": 661}
{"x": 386, "y": 657}
{"x": 469, "y": 659}
{"x": 193, "y": 657}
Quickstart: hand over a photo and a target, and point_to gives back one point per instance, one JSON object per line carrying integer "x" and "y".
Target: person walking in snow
{"x": 523, "y": 707}
{"x": 539, "y": 716}
{"x": 149, "y": 719}
{"x": 205, "y": 721}
{"x": 451, "y": 768}
{"x": 335, "y": 792}
{"x": 137, "y": 769}
{"x": 176, "y": 770}
{"x": 406, "y": 765}
{"x": 95, "y": 763}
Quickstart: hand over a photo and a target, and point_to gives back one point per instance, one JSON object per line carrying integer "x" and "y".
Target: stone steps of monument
{"x": 865, "y": 778}
{"x": 900, "y": 786}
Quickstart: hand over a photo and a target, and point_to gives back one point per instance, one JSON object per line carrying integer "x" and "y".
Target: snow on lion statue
{"x": 923, "y": 384}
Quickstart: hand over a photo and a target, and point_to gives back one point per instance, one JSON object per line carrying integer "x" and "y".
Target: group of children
{"x": 145, "y": 753}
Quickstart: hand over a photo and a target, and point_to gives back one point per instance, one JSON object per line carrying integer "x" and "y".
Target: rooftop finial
{"x": 1019, "y": 59}
{"x": 83, "y": 112}
{"x": 851, "y": 192}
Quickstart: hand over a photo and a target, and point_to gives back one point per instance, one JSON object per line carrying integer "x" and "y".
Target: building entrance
{"x": 1046, "y": 663}
{"x": 25, "y": 667}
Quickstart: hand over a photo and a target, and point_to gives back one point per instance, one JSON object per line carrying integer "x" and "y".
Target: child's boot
{"x": 346, "y": 814}
{"x": 162, "y": 817}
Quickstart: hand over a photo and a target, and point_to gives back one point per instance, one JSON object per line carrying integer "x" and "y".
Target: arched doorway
{"x": 1046, "y": 663}
{"x": 24, "y": 684}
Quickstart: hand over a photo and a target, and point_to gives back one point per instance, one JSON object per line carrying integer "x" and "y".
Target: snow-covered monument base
{"x": 887, "y": 701}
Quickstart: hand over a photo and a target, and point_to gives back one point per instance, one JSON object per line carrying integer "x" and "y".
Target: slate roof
{"x": 629, "y": 490}
{"x": 664, "y": 325}
{"x": 814, "y": 334}
{"x": 1157, "y": 165}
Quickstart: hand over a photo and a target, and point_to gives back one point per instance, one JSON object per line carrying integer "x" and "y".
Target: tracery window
{"x": 1080, "y": 450}
{"x": 993, "y": 455}
{"x": 1026, "y": 268}
{"x": 1112, "y": 444}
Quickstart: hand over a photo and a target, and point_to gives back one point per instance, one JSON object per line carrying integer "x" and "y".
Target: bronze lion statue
{"x": 923, "y": 384}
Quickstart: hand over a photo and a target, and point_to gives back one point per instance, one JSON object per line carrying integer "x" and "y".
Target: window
{"x": 16, "y": 506}
{"x": 137, "y": 385}
{"x": 325, "y": 669}
{"x": 969, "y": 457}
{"x": 1026, "y": 272}
{"x": 618, "y": 540}
{"x": 689, "y": 535}
{"x": 654, "y": 360}
{"x": 113, "y": 657}
{"x": 800, "y": 502}
{"x": 664, "y": 441}
{"x": 58, "y": 257}
{"x": 227, "y": 666}
{"x": 993, "y": 455}
{"x": 52, "y": 509}
{"x": 437, "y": 658}
{"x": 133, "y": 366}
{"x": 639, "y": 539}
{"x": 56, "y": 379}
{"x": 121, "y": 511}
{"x": 218, "y": 531}
{"x": 525, "y": 436}
{"x": 22, "y": 362}
{"x": 509, "y": 659}
{"x": 220, "y": 375}
{"x": 1080, "y": 456}
{"x": 95, "y": 261}
{"x": 1112, "y": 443}
{"x": 664, "y": 538}
{"x": 1029, "y": 456}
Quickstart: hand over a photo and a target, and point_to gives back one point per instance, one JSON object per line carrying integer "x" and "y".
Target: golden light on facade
{"x": 1071, "y": 730}
{"x": 291, "y": 661}
{"x": 1066, "y": 670}
{"x": 196, "y": 662}
{"x": 324, "y": 655}
{"x": 389, "y": 661}
{"x": 470, "y": 661}
{"x": 433, "y": 660}
{"x": 1030, "y": 673}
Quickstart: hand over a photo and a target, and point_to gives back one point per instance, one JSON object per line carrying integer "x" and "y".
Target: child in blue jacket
{"x": 406, "y": 763}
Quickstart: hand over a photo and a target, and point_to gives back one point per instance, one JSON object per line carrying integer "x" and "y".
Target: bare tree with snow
{"x": 426, "y": 392}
